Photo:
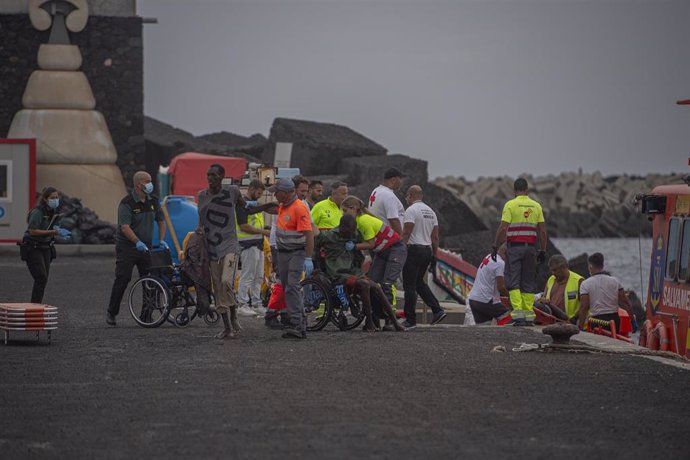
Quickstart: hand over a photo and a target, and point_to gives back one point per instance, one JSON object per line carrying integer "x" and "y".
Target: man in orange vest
{"x": 295, "y": 244}
{"x": 523, "y": 228}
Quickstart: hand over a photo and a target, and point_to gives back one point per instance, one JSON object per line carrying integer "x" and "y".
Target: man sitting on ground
{"x": 562, "y": 292}
{"x": 343, "y": 264}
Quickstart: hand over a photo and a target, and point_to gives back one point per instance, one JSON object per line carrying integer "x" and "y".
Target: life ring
{"x": 645, "y": 332}
{"x": 662, "y": 333}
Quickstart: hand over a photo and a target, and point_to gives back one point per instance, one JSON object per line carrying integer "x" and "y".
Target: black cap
{"x": 393, "y": 172}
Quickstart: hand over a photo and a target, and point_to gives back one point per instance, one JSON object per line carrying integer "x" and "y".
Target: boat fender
{"x": 653, "y": 339}
{"x": 645, "y": 332}
{"x": 661, "y": 331}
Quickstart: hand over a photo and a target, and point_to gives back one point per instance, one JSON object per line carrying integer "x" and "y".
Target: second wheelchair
{"x": 165, "y": 294}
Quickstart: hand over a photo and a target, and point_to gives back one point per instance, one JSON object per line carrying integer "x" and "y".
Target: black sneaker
{"x": 408, "y": 325}
{"x": 521, "y": 322}
{"x": 438, "y": 317}
{"x": 110, "y": 320}
{"x": 273, "y": 323}
{"x": 294, "y": 334}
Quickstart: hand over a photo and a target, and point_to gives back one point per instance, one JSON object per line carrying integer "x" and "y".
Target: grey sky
{"x": 473, "y": 87}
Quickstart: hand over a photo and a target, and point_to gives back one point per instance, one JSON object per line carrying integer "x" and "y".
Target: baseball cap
{"x": 393, "y": 172}
{"x": 282, "y": 185}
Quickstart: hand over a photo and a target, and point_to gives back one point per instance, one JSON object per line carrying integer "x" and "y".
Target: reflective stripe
{"x": 288, "y": 240}
{"x": 522, "y": 232}
{"x": 385, "y": 238}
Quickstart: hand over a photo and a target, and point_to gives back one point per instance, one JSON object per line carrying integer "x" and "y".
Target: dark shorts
{"x": 484, "y": 311}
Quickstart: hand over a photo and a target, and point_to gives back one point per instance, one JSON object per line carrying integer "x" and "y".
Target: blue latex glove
{"x": 250, "y": 204}
{"x": 141, "y": 247}
{"x": 308, "y": 266}
{"x": 62, "y": 232}
{"x": 350, "y": 246}
{"x": 164, "y": 245}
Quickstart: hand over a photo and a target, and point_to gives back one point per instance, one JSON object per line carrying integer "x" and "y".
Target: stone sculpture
{"x": 75, "y": 152}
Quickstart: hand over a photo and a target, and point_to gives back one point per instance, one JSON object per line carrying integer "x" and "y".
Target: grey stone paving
{"x": 436, "y": 392}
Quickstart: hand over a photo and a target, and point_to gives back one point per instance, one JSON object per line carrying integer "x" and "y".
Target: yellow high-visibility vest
{"x": 571, "y": 294}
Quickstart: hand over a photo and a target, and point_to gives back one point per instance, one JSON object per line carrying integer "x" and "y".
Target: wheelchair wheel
{"x": 182, "y": 319}
{"x": 211, "y": 317}
{"x": 149, "y": 302}
{"x": 317, "y": 304}
{"x": 352, "y": 320}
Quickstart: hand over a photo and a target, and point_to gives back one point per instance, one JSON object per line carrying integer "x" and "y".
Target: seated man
{"x": 562, "y": 292}
{"x": 343, "y": 264}
{"x": 602, "y": 294}
{"x": 489, "y": 285}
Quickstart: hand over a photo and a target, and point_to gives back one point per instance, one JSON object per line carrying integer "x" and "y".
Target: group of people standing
{"x": 402, "y": 242}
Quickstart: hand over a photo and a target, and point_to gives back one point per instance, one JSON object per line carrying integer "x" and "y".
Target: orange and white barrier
{"x": 31, "y": 317}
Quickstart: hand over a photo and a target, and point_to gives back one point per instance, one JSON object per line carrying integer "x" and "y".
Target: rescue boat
{"x": 667, "y": 325}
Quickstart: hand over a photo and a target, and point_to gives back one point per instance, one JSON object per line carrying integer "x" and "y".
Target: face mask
{"x": 148, "y": 188}
{"x": 53, "y": 203}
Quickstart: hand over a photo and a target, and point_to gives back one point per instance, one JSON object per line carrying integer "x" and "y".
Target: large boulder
{"x": 368, "y": 171}
{"x": 164, "y": 141}
{"x": 317, "y": 148}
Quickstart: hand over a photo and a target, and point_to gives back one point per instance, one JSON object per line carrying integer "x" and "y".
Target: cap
{"x": 282, "y": 185}
{"x": 393, "y": 172}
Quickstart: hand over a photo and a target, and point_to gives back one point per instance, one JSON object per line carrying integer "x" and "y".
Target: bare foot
{"x": 225, "y": 334}
{"x": 236, "y": 326}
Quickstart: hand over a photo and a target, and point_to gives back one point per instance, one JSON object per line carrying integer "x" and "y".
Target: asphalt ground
{"x": 436, "y": 392}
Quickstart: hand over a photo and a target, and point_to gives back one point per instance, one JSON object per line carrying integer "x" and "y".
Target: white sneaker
{"x": 261, "y": 311}
{"x": 245, "y": 311}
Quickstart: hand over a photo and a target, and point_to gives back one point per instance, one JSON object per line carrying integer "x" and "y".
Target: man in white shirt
{"x": 420, "y": 233}
{"x": 601, "y": 294}
{"x": 384, "y": 204}
{"x": 489, "y": 285}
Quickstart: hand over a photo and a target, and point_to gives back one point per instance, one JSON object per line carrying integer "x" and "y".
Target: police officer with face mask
{"x": 39, "y": 240}
{"x": 135, "y": 217}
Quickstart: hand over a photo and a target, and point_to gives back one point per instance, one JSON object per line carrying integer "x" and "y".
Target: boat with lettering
{"x": 667, "y": 325}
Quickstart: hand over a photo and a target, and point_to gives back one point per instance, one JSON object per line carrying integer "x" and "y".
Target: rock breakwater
{"x": 575, "y": 204}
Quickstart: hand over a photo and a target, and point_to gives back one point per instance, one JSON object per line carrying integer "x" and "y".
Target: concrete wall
{"x": 112, "y": 51}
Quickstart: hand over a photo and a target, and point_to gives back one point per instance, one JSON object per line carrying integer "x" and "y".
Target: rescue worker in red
{"x": 523, "y": 229}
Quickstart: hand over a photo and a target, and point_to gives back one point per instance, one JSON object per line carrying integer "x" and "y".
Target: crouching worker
{"x": 489, "y": 285}
{"x": 343, "y": 264}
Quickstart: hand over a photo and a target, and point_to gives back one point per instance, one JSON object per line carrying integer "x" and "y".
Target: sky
{"x": 476, "y": 88}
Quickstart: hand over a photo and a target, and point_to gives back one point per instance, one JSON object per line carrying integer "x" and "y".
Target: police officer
{"x": 135, "y": 216}
{"x": 523, "y": 227}
{"x": 39, "y": 239}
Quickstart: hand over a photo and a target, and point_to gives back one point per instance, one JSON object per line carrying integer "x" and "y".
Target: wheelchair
{"x": 165, "y": 294}
{"x": 322, "y": 305}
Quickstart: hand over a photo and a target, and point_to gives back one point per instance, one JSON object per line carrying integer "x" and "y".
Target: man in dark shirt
{"x": 135, "y": 216}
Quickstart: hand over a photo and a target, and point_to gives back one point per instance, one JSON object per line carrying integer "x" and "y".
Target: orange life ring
{"x": 661, "y": 331}
{"x": 645, "y": 333}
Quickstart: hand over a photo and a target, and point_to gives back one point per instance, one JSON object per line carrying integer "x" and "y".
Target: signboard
{"x": 17, "y": 186}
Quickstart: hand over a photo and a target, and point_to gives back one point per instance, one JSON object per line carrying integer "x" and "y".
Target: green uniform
{"x": 338, "y": 263}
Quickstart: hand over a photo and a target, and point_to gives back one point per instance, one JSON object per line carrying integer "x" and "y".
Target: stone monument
{"x": 74, "y": 149}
